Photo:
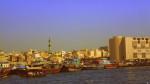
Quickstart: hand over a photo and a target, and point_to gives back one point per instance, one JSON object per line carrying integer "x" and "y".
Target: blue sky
{"x": 72, "y": 24}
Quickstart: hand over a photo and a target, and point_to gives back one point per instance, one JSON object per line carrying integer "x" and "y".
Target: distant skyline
{"x": 71, "y": 24}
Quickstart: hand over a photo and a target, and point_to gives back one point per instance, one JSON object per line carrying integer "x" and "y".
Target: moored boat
{"x": 92, "y": 67}
{"x": 111, "y": 66}
{"x": 71, "y": 65}
{"x": 35, "y": 72}
{"x": 54, "y": 68}
{"x": 54, "y": 64}
{"x": 26, "y": 71}
{"x": 91, "y": 64}
{"x": 108, "y": 64}
{"x": 69, "y": 68}
{"x": 4, "y": 69}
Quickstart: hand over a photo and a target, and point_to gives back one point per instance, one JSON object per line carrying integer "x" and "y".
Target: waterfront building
{"x": 68, "y": 55}
{"x": 63, "y": 53}
{"x": 3, "y": 57}
{"x": 90, "y": 53}
{"x": 28, "y": 57}
{"x": 98, "y": 53}
{"x": 44, "y": 54}
{"x": 81, "y": 53}
{"x": 124, "y": 49}
{"x": 95, "y": 53}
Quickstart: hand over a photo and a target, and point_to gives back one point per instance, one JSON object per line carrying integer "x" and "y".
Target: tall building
{"x": 124, "y": 49}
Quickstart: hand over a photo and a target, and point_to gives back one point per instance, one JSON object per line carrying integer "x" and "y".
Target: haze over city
{"x": 72, "y": 24}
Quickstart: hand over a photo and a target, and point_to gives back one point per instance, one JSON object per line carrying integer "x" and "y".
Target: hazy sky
{"x": 72, "y": 24}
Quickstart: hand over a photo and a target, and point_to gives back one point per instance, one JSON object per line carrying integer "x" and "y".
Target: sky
{"x": 71, "y": 24}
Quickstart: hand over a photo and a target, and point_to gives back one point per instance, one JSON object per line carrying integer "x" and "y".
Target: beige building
{"x": 124, "y": 49}
{"x": 92, "y": 53}
{"x": 95, "y": 53}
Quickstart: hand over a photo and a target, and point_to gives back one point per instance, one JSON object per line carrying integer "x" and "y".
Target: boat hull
{"x": 30, "y": 72}
{"x": 55, "y": 70}
{"x": 74, "y": 69}
{"x": 70, "y": 69}
{"x": 4, "y": 72}
{"x": 110, "y": 66}
{"x": 92, "y": 67}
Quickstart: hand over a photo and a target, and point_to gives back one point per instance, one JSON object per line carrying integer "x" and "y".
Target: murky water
{"x": 134, "y": 75}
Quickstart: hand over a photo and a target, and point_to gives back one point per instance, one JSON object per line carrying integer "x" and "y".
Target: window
{"x": 143, "y": 45}
{"x": 134, "y": 44}
{"x": 146, "y": 40}
{"x": 143, "y": 55}
{"x": 134, "y": 55}
{"x": 138, "y": 41}
{"x": 139, "y": 50}
{"x": 147, "y": 50}
{"x": 134, "y": 38}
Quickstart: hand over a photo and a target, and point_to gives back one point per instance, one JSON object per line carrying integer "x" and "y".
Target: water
{"x": 134, "y": 75}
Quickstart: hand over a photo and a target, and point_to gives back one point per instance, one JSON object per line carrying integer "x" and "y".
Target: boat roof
{"x": 34, "y": 68}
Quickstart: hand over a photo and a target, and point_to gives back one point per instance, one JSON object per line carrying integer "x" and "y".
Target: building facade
{"x": 129, "y": 48}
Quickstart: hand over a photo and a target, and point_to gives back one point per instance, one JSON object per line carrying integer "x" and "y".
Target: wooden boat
{"x": 35, "y": 72}
{"x": 54, "y": 64}
{"x": 69, "y": 68}
{"x": 4, "y": 69}
{"x": 71, "y": 65}
{"x": 4, "y": 72}
{"x": 91, "y": 64}
{"x": 111, "y": 66}
{"x": 92, "y": 67}
{"x": 17, "y": 69}
{"x": 108, "y": 64}
{"x": 25, "y": 71}
{"x": 55, "y": 68}
{"x": 73, "y": 69}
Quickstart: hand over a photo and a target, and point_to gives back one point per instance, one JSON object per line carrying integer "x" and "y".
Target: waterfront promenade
{"x": 127, "y": 75}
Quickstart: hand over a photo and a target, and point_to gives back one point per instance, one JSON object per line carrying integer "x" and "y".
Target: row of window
{"x": 135, "y": 45}
{"x": 139, "y": 40}
{"x": 143, "y": 55}
{"x": 141, "y": 50}
{"x": 134, "y": 38}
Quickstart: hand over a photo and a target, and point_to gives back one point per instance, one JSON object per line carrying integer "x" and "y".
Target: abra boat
{"x": 71, "y": 65}
{"x": 111, "y": 66}
{"x": 108, "y": 64}
{"x": 26, "y": 71}
{"x": 54, "y": 68}
{"x": 35, "y": 72}
{"x": 91, "y": 64}
{"x": 55, "y": 64}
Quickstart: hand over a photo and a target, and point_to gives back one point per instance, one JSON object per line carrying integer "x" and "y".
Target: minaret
{"x": 49, "y": 46}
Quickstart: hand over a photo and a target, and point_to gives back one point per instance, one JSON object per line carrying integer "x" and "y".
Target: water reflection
{"x": 133, "y": 75}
